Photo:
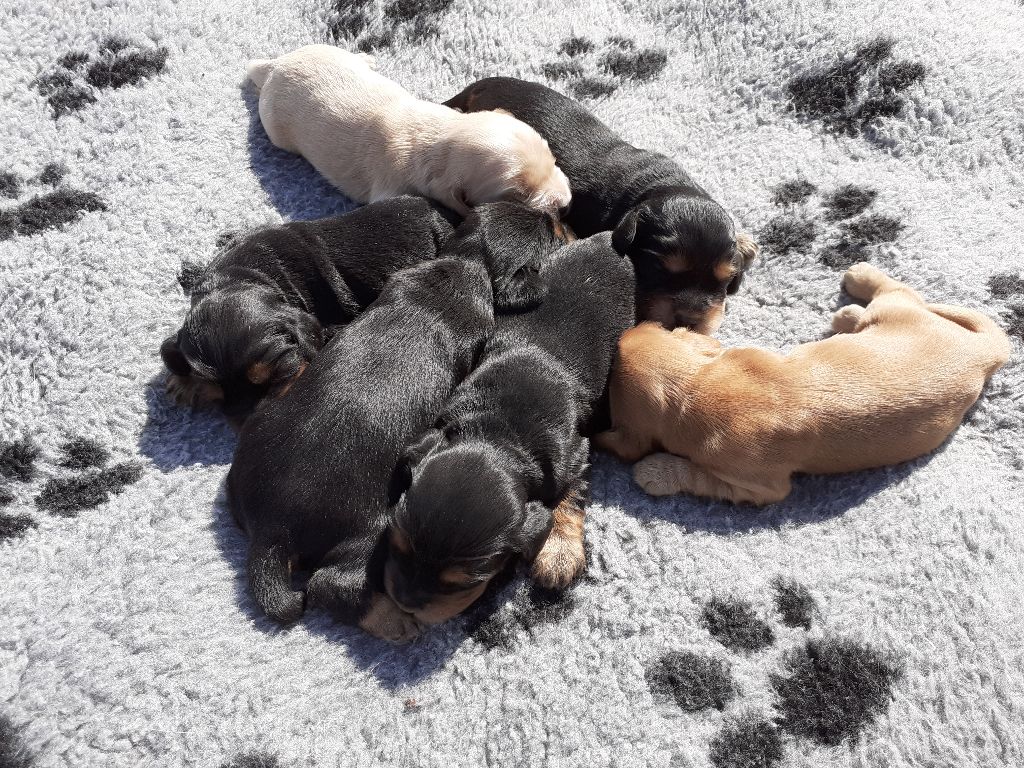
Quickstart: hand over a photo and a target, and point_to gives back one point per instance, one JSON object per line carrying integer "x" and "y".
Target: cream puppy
{"x": 735, "y": 424}
{"x": 373, "y": 139}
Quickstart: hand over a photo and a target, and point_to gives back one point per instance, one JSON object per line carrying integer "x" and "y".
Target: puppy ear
{"x": 401, "y": 477}
{"x": 625, "y": 233}
{"x": 537, "y": 522}
{"x": 520, "y": 291}
{"x": 746, "y": 248}
{"x": 173, "y": 358}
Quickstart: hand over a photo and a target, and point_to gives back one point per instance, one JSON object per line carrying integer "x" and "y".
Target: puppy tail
{"x": 270, "y": 578}
{"x": 259, "y": 70}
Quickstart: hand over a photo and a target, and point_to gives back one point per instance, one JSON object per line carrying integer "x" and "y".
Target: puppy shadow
{"x": 814, "y": 498}
{"x": 293, "y": 186}
{"x": 394, "y": 667}
{"x": 174, "y": 436}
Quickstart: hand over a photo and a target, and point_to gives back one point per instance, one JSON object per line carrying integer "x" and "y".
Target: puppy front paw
{"x": 845, "y": 320}
{"x": 659, "y": 474}
{"x": 560, "y": 561}
{"x": 190, "y": 392}
{"x": 862, "y": 280}
{"x": 386, "y": 620}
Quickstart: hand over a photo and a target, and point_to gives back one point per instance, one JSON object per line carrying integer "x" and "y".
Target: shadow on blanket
{"x": 293, "y": 186}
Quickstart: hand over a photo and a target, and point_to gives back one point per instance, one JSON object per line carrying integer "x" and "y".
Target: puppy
{"x": 687, "y": 254}
{"x": 265, "y": 305}
{"x": 891, "y": 386}
{"x": 372, "y": 139}
{"x": 309, "y": 482}
{"x": 501, "y": 474}
{"x": 312, "y": 470}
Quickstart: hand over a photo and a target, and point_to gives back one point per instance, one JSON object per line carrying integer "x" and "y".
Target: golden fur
{"x": 891, "y": 385}
{"x": 373, "y": 139}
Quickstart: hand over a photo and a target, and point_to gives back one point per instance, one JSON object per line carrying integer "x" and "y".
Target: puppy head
{"x": 458, "y": 518}
{"x": 502, "y": 158}
{"x": 514, "y": 242}
{"x": 687, "y": 257}
{"x": 243, "y": 341}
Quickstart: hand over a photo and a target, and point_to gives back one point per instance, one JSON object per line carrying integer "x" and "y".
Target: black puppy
{"x": 311, "y": 474}
{"x": 263, "y": 307}
{"x": 687, "y": 254}
{"x": 502, "y": 472}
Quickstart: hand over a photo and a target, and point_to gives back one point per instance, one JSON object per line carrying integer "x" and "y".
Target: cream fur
{"x": 373, "y": 139}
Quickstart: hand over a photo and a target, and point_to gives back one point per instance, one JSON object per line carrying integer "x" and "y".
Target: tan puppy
{"x": 891, "y": 386}
{"x": 372, "y": 139}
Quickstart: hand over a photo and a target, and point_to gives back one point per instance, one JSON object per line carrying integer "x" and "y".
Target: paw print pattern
{"x": 84, "y": 480}
{"x": 253, "y": 760}
{"x": 856, "y": 89}
{"x": 852, "y": 231}
{"x": 827, "y": 691}
{"x": 79, "y": 76}
{"x": 47, "y": 210}
{"x": 1010, "y": 287}
{"x": 591, "y": 74}
{"x": 411, "y": 20}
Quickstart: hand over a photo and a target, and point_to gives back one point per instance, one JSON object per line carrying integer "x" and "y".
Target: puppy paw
{"x": 189, "y": 392}
{"x": 846, "y": 319}
{"x": 560, "y": 561}
{"x": 659, "y": 474}
{"x": 387, "y": 621}
{"x": 862, "y": 280}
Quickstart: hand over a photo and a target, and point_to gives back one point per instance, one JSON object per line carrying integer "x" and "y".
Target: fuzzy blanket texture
{"x": 872, "y": 619}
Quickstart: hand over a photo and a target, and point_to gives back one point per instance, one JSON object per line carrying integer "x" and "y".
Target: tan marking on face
{"x": 288, "y": 385}
{"x": 563, "y": 232}
{"x": 675, "y": 262}
{"x": 399, "y": 540}
{"x": 724, "y": 270}
{"x": 444, "y": 607}
{"x": 258, "y": 373}
{"x": 455, "y": 576}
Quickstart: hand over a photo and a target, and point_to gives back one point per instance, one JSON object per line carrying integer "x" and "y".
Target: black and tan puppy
{"x": 687, "y": 253}
{"x": 311, "y": 476}
{"x": 262, "y": 307}
{"x": 502, "y": 472}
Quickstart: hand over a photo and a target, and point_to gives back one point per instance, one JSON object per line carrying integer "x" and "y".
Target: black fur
{"x": 749, "y": 742}
{"x": 18, "y": 459}
{"x": 479, "y": 487}
{"x": 735, "y": 625}
{"x": 270, "y": 296}
{"x": 191, "y": 276}
{"x": 694, "y": 681}
{"x": 48, "y": 211}
{"x": 68, "y": 496}
{"x": 309, "y": 482}
{"x": 833, "y": 689}
{"x": 655, "y": 208}
{"x": 795, "y": 603}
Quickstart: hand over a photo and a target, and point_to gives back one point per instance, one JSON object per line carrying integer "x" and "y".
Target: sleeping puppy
{"x": 892, "y": 385}
{"x": 501, "y": 474}
{"x": 260, "y": 312}
{"x": 312, "y": 471}
{"x": 309, "y": 482}
{"x": 687, "y": 253}
{"x": 372, "y": 139}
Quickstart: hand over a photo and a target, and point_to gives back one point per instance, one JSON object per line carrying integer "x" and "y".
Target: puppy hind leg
{"x": 623, "y": 445}
{"x": 562, "y": 558}
{"x": 866, "y": 283}
{"x": 663, "y": 474}
{"x": 270, "y": 577}
{"x": 846, "y": 319}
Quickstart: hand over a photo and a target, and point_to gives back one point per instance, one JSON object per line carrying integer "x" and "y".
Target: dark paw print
{"x": 79, "y": 76}
{"x": 1009, "y": 287}
{"x": 593, "y": 74}
{"x": 85, "y": 480}
{"x": 857, "y": 88}
{"x": 852, "y": 232}
{"x": 45, "y": 210}
{"x": 827, "y": 692}
{"x": 411, "y": 20}
{"x": 13, "y": 753}
{"x": 253, "y": 760}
